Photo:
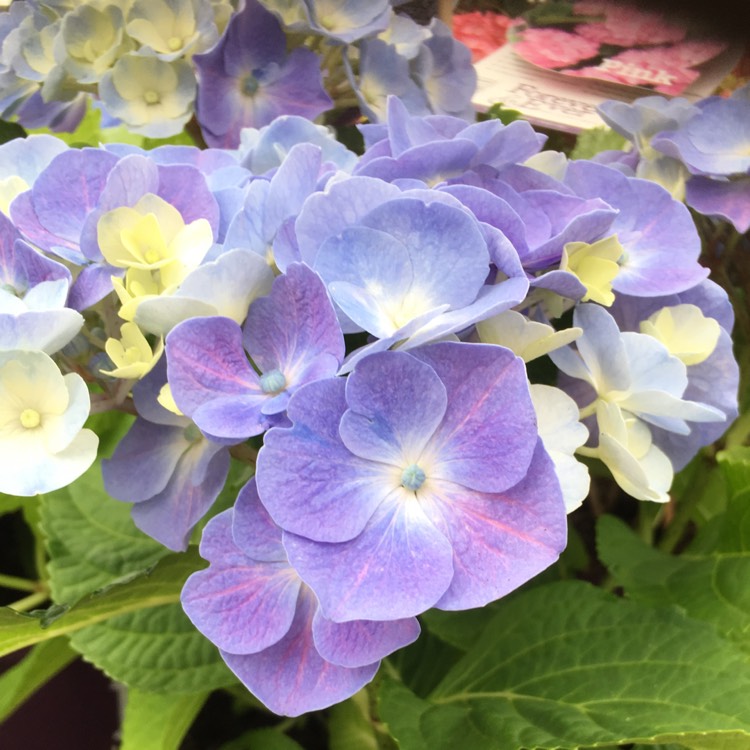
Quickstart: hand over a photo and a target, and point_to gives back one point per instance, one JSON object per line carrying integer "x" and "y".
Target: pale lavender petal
{"x": 205, "y": 360}
{"x": 8, "y": 264}
{"x": 398, "y": 567}
{"x": 23, "y": 266}
{"x": 253, "y": 530}
{"x": 92, "y": 284}
{"x": 294, "y": 324}
{"x": 240, "y": 605}
{"x": 185, "y": 188}
{"x": 713, "y": 382}
{"x": 433, "y": 161}
{"x": 291, "y": 677}
{"x": 657, "y": 233}
{"x": 491, "y": 300}
{"x": 232, "y": 418}
{"x": 68, "y": 190}
{"x": 488, "y": 433}
{"x": 405, "y": 333}
{"x": 144, "y": 461}
{"x": 128, "y": 181}
{"x": 344, "y": 203}
{"x": 295, "y": 180}
{"x": 326, "y": 510}
{"x": 564, "y": 283}
{"x": 361, "y": 642}
{"x": 448, "y": 254}
{"x": 25, "y": 218}
{"x": 169, "y": 516}
{"x": 493, "y": 210}
{"x": 500, "y": 541}
{"x": 729, "y": 200}
{"x": 395, "y": 404}
{"x": 367, "y": 272}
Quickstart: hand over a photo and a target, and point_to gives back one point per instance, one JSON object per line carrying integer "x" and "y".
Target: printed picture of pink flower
{"x": 481, "y": 32}
{"x": 552, "y": 48}
{"x": 625, "y": 28}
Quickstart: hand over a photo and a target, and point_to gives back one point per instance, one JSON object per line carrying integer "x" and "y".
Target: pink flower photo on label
{"x": 625, "y": 28}
{"x": 552, "y": 48}
{"x": 482, "y": 33}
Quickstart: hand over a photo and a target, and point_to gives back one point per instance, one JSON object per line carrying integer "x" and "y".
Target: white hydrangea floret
{"x": 172, "y": 28}
{"x": 224, "y": 287}
{"x": 131, "y": 354}
{"x": 625, "y": 447}
{"x": 90, "y": 41}
{"x": 151, "y": 96}
{"x": 526, "y": 338}
{"x": 638, "y": 385}
{"x": 562, "y": 434}
{"x": 43, "y": 445}
{"x": 39, "y": 319}
{"x": 685, "y": 331}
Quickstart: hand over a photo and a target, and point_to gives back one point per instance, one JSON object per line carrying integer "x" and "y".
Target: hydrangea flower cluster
{"x": 153, "y": 64}
{"x": 365, "y": 320}
{"x": 699, "y": 152}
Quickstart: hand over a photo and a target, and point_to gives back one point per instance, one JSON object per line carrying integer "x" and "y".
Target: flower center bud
{"x": 272, "y": 381}
{"x": 132, "y": 355}
{"x": 249, "y": 85}
{"x": 412, "y": 478}
{"x": 192, "y": 434}
{"x": 151, "y": 256}
{"x": 174, "y": 43}
{"x": 151, "y": 96}
{"x": 30, "y": 418}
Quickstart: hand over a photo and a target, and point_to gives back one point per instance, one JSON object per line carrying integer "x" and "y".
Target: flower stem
{"x": 587, "y": 411}
{"x": 20, "y": 584}
{"x": 30, "y": 602}
{"x": 588, "y": 452}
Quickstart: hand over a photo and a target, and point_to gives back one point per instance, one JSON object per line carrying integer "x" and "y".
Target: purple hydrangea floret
{"x": 714, "y": 381}
{"x": 436, "y": 148}
{"x": 165, "y": 467}
{"x": 456, "y": 501}
{"x": 292, "y": 336}
{"x": 248, "y": 79}
{"x": 267, "y": 623}
{"x": 61, "y": 217}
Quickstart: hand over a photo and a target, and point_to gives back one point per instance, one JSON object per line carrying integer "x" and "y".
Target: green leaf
{"x": 422, "y": 664}
{"x": 92, "y": 543}
{"x": 402, "y": 712}
{"x": 710, "y": 586}
{"x": 349, "y": 724}
{"x": 158, "y": 722}
{"x": 91, "y": 539}
{"x": 460, "y": 629}
{"x": 156, "y": 650}
{"x": 735, "y": 468}
{"x": 262, "y": 739}
{"x": 41, "y": 664}
{"x": 504, "y": 114}
{"x": 708, "y": 741}
{"x": 568, "y": 665}
{"x": 10, "y": 503}
{"x": 10, "y": 130}
{"x": 157, "y": 587}
{"x": 592, "y": 141}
